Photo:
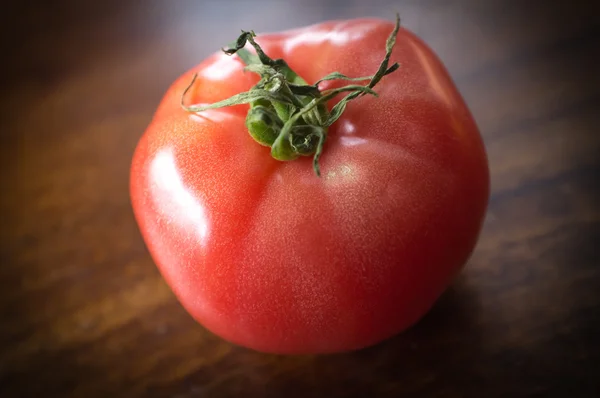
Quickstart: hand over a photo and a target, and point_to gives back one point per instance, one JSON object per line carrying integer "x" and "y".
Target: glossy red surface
{"x": 267, "y": 255}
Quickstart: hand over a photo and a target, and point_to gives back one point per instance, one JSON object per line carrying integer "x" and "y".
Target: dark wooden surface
{"x": 84, "y": 312}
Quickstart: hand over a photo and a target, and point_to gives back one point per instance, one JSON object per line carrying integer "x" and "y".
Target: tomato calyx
{"x": 286, "y": 113}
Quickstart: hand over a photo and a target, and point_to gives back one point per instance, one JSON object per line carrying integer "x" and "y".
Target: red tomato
{"x": 266, "y": 254}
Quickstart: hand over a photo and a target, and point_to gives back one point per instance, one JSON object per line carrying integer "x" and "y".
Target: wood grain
{"x": 84, "y": 312}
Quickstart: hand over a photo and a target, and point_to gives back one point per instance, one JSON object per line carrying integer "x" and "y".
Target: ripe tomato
{"x": 270, "y": 256}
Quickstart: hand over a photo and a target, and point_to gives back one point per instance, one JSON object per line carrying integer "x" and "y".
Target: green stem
{"x": 286, "y": 113}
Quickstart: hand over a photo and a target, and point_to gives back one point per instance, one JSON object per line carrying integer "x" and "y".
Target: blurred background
{"x": 83, "y": 310}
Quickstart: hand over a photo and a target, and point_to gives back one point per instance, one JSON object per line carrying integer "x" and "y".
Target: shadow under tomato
{"x": 438, "y": 351}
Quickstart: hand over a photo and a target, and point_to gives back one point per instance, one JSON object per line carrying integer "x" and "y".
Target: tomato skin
{"x": 267, "y": 255}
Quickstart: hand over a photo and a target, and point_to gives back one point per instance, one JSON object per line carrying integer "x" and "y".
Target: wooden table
{"x": 84, "y": 312}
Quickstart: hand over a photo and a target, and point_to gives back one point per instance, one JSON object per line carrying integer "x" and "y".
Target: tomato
{"x": 269, "y": 255}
